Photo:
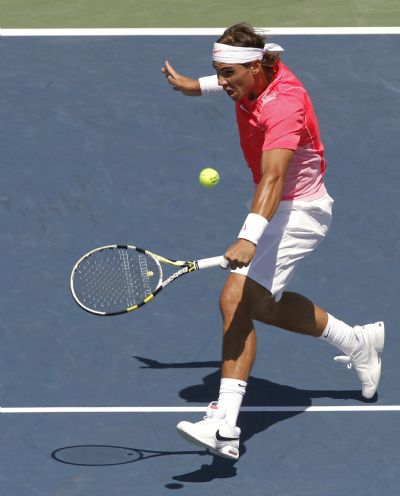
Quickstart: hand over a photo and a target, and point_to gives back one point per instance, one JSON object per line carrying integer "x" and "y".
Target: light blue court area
{"x": 97, "y": 149}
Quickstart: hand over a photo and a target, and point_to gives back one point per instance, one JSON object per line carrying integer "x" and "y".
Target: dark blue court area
{"x": 96, "y": 148}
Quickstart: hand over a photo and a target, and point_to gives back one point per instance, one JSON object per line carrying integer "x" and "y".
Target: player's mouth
{"x": 230, "y": 92}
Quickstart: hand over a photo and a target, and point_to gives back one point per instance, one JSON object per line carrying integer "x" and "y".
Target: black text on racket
{"x": 116, "y": 279}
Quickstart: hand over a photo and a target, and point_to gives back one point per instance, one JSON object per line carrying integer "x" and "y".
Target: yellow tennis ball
{"x": 209, "y": 177}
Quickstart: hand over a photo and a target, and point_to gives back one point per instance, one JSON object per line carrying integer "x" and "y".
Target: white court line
{"x": 197, "y": 31}
{"x": 189, "y": 409}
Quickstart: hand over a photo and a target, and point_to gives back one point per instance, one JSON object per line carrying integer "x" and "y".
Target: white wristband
{"x": 253, "y": 228}
{"x": 209, "y": 84}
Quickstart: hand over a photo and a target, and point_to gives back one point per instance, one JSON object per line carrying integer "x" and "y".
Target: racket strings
{"x": 115, "y": 279}
{"x": 146, "y": 273}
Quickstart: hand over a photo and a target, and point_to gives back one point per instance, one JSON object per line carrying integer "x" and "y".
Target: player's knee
{"x": 230, "y": 300}
{"x": 236, "y": 302}
{"x": 227, "y": 301}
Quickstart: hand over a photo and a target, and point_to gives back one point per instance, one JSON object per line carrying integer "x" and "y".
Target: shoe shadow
{"x": 260, "y": 392}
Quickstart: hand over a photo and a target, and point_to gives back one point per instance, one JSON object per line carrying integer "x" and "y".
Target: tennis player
{"x": 290, "y": 215}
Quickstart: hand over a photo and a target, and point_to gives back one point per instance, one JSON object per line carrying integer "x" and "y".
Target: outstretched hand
{"x": 187, "y": 86}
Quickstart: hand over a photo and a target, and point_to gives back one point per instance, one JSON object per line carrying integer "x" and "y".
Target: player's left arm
{"x": 188, "y": 86}
{"x": 274, "y": 164}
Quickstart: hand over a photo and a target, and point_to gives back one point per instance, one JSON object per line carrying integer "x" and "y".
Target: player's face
{"x": 237, "y": 80}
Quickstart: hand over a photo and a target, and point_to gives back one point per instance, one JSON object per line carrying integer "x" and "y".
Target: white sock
{"x": 231, "y": 393}
{"x": 341, "y": 335}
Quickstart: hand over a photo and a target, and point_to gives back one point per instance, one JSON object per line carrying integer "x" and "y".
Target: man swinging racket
{"x": 290, "y": 214}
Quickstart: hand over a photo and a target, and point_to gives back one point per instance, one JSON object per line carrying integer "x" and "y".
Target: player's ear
{"x": 256, "y": 67}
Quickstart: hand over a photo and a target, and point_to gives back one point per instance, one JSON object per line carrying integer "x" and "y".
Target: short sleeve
{"x": 283, "y": 118}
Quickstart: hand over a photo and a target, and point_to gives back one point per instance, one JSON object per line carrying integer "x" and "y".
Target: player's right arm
{"x": 188, "y": 86}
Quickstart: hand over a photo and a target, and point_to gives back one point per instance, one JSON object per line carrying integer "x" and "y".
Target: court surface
{"x": 97, "y": 149}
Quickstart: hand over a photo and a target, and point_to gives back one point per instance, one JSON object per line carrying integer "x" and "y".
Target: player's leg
{"x": 218, "y": 431}
{"x": 239, "y": 337}
{"x": 292, "y": 312}
{"x": 362, "y": 345}
{"x": 243, "y": 300}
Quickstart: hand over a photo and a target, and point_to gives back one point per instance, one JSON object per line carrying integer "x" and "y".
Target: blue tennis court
{"x": 97, "y": 149}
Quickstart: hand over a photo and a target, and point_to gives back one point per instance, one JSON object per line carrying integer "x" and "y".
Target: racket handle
{"x": 206, "y": 263}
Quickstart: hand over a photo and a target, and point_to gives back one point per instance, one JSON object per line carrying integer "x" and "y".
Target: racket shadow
{"x": 101, "y": 455}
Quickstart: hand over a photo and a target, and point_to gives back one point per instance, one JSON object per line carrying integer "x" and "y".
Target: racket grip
{"x": 223, "y": 263}
{"x": 206, "y": 263}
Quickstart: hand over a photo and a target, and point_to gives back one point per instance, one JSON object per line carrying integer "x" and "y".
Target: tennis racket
{"x": 116, "y": 279}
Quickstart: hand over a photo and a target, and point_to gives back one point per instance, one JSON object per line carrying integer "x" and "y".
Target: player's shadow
{"x": 260, "y": 392}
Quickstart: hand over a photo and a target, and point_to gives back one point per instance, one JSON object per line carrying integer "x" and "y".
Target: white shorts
{"x": 295, "y": 230}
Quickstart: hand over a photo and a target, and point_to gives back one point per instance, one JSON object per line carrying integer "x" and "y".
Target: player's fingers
{"x": 173, "y": 81}
{"x": 236, "y": 262}
{"x": 166, "y": 73}
{"x": 171, "y": 70}
{"x": 229, "y": 261}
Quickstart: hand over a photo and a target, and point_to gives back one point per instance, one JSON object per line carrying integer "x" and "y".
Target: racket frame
{"x": 185, "y": 266}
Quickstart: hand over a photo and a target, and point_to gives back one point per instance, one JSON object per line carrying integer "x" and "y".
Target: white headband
{"x": 229, "y": 54}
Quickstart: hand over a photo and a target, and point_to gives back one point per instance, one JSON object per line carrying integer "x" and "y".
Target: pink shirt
{"x": 283, "y": 117}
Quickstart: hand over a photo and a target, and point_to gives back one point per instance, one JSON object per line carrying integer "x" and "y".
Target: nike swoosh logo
{"x": 223, "y": 438}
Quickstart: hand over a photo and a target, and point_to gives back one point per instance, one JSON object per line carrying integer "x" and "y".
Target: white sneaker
{"x": 366, "y": 357}
{"x": 213, "y": 433}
